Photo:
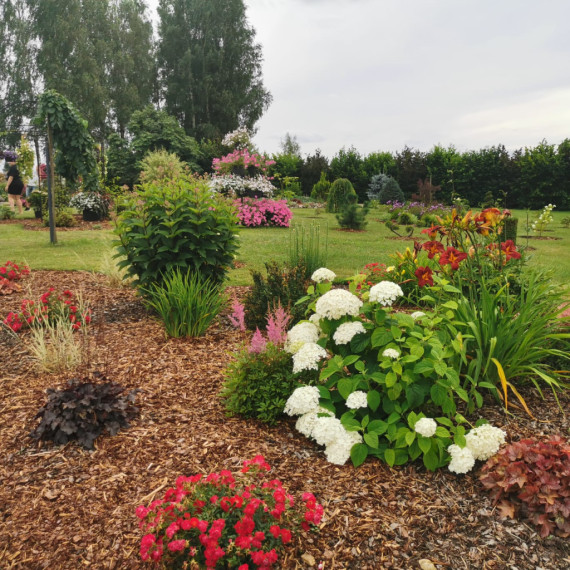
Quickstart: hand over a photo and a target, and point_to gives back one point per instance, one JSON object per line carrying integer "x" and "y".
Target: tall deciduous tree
{"x": 19, "y": 83}
{"x": 210, "y": 66}
{"x": 132, "y": 71}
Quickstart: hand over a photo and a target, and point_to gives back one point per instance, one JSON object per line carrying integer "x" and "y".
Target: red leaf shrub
{"x": 533, "y": 477}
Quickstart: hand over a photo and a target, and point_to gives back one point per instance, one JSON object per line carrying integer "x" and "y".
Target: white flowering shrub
{"x": 236, "y": 186}
{"x": 544, "y": 220}
{"x": 381, "y": 370}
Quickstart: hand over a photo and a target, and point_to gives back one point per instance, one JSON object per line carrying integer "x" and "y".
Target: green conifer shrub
{"x": 340, "y": 195}
{"x": 321, "y": 189}
{"x": 391, "y": 192}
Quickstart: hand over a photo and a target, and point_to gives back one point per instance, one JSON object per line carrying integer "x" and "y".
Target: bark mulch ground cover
{"x": 63, "y": 507}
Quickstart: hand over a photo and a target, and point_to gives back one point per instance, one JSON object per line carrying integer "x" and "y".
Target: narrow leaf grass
{"x": 187, "y": 303}
{"x": 305, "y": 248}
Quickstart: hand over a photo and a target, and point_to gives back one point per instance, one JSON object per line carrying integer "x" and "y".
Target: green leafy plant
{"x": 222, "y": 521}
{"x": 284, "y": 285}
{"x": 407, "y": 219}
{"x": 76, "y": 148}
{"x": 83, "y": 411}
{"x": 353, "y": 217}
{"x": 510, "y": 229}
{"x": 6, "y": 213}
{"x": 341, "y": 194}
{"x": 305, "y": 248}
{"x": 187, "y": 303}
{"x": 565, "y": 222}
{"x": 532, "y": 478}
{"x": 544, "y": 220}
{"x": 63, "y": 218}
{"x": 177, "y": 224}
{"x": 257, "y": 384}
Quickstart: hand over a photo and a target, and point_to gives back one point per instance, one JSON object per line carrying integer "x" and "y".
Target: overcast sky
{"x": 381, "y": 74}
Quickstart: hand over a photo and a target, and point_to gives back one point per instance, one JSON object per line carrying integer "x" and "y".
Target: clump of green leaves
{"x": 6, "y": 213}
{"x": 258, "y": 384}
{"x": 341, "y": 194}
{"x": 83, "y": 411}
{"x": 532, "y": 478}
{"x": 284, "y": 285}
{"x": 187, "y": 303}
{"x": 63, "y": 218}
{"x": 176, "y": 224}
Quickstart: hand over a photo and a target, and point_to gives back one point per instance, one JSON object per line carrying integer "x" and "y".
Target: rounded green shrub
{"x": 428, "y": 220}
{"x": 161, "y": 165}
{"x": 321, "y": 189}
{"x": 176, "y": 224}
{"x": 341, "y": 194}
{"x": 391, "y": 192}
{"x": 257, "y": 385}
{"x": 353, "y": 217}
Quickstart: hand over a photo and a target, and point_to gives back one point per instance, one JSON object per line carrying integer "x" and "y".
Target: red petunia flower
{"x": 433, "y": 248}
{"x": 425, "y": 276}
{"x": 452, "y": 257}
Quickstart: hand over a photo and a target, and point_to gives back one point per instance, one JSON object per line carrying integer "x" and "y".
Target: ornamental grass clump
{"x": 222, "y": 521}
{"x": 187, "y": 303}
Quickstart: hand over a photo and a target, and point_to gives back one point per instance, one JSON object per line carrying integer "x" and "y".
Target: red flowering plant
{"x": 10, "y": 272}
{"x": 50, "y": 308}
{"x": 222, "y": 521}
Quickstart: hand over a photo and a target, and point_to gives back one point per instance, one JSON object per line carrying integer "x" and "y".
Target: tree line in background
{"x": 203, "y": 67}
{"x": 200, "y": 78}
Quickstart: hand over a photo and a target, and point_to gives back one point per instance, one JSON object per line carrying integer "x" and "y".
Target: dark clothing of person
{"x": 17, "y": 185}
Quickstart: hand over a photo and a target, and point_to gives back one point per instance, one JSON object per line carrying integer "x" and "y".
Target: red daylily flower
{"x": 433, "y": 230}
{"x": 433, "y": 248}
{"x": 425, "y": 276}
{"x": 452, "y": 257}
{"x": 510, "y": 250}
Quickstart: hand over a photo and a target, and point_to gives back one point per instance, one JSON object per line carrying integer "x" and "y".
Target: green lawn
{"x": 347, "y": 251}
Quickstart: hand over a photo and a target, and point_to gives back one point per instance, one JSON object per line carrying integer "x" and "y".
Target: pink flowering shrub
{"x": 241, "y": 162}
{"x": 49, "y": 307}
{"x": 255, "y": 213}
{"x": 222, "y": 521}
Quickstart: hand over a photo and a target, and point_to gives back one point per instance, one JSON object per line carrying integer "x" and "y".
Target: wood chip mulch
{"x": 64, "y": 507}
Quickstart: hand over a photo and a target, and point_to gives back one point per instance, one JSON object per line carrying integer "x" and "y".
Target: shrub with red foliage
{"x": 533, "y": 478}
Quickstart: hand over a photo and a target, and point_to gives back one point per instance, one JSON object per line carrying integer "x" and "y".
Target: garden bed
{"x": 63, "y": 507}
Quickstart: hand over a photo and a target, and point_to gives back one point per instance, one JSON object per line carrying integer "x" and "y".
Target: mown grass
{"x": 347, "y": 252}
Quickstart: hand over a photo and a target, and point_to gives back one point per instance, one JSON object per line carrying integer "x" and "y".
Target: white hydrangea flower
{"x": 484, "y": 441}
{"x": 391, "y": 353}
{"x": 338, "y": 452}
{"x": 346, "y": 331}
{"x": 322, "y": 274}
{"x": 462, "y": 459}
{"x": 315, "y": 319}
{"x": 306, "y": 422}
{"x": 308, "y": 356}
{"x": 327, "y": 430}
{"x": 303, "y": 400}
{"x": 337, "y": 303}
{"x": 385, "y": 293}
{"x": 357, "y": 400}
{"x": 426, "y": 427}
{"x": 417, "y": 315}
{"x": 301, "y": 334}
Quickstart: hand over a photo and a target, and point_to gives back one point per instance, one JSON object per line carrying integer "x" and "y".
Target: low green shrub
{"x": 341, "y": 194}
{"x": 407, "y": 219}
{"x": 173, "y": 224}
{"x": 257, "y": 384}
{"x": 428, "y": 220}
{"x": 187, "y": 303}
{"x": 6, "y": 213}
{"x": 353, "y": 217}
{"x": 284, "y": 284}
{"x": 63, "y": 218}
{"x": 321, "y": 189}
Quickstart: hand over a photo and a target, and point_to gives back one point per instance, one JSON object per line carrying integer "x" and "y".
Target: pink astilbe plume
{"x": 258, "y": 343}
{"x": 277, "y": 322}
{"x": 237, "y": 318}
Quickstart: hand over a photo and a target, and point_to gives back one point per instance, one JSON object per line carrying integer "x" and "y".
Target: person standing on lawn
{"x": 14, "y": 185}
